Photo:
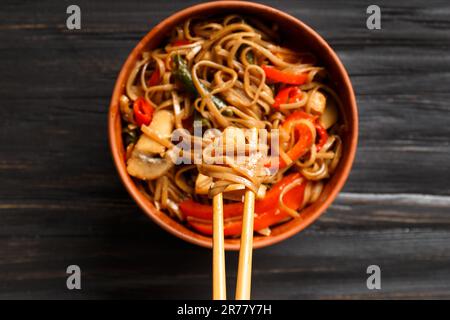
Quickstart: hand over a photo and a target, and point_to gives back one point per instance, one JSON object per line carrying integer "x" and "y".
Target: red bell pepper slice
{"x": 193, "y": 209}
{"x": 190, "y": 208}
{"x": 230, "y": 228}
{"x": 287, "y": 95}
{"x": 293, "y": 199}
{"x": 154, "y": 79}
{"x": 270, "y": 201}
{"x": 143, "y": 112}
{"x": 295, "y": 116}
{"x": 322, "y": 133}
{"x": 288, "y": 77}
{"x": 323, "y": 136}
{"x": 302, "y": 134}
{"x": 180, "y": 42}
{"x": 301, "y": 146}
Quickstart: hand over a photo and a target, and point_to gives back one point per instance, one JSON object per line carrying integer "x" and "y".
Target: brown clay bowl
{"x": 293, "y": 32}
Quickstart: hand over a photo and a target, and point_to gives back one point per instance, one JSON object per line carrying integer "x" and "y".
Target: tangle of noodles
{"x": 215, "y": 71}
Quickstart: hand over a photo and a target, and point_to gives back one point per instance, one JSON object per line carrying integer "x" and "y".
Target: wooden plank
{"x": 325, "y": 265}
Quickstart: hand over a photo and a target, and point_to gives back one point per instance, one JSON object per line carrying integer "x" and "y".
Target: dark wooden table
{"x": 61, "y": 201}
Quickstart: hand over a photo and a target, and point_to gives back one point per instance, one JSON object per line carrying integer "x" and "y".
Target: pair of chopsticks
{"x": 244, "y": 276}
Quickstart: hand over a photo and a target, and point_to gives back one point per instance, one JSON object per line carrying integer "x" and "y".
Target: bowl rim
{"x": 178, "y": 229}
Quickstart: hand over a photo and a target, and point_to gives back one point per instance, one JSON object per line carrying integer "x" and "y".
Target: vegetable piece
{"x": 232, "y": 227}
{"x": 228, "y": 113}
{"x": 317, "y": 102}
{"x": 154, "y": 79}
{"x": 330, "y": 116}
{"x": 205, "y": 123}
{"x": 180, "y": 42}
{"x": 288, "y": 77}
{"x": 323, "y": 136}
{"x": 163, "y": 123}
{"x": 270, "y": 201}
{"x": 143, "y": 112}
{"x": 298, "y": 115}
{"x": 294, "y": 118}
{"x": 146, "y": 167}
{"x": 301, "y": 146}
{"x": 250, "y": 57}
{"x": 183, "y": 75}
{"x": 218, "y": 102}
{"x": 287, "y": 95}
{"x": 190, "y": 208}
{"x": 303, "y": 133}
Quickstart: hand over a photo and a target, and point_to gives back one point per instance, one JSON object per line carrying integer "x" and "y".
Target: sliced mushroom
{"x": 162, "y": 124}
{"x": 146, "y": 167}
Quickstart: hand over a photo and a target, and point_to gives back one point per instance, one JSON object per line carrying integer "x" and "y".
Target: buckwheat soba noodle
{"x": 221, "y": 107}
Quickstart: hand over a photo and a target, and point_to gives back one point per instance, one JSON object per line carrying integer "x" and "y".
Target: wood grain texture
{"x": 62, "y": 203}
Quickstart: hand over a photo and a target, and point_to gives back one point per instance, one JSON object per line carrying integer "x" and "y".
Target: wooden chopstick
{"x": 244, "y": 277}
{"x": 219, "y": 278}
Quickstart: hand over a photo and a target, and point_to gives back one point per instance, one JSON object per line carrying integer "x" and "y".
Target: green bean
{"x": 250, "y": 57}
{"x": 183, "y": 75}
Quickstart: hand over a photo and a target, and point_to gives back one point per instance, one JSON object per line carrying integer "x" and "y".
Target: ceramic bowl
{"x": 292, "y": 32}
